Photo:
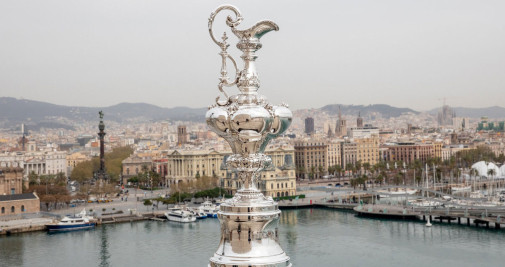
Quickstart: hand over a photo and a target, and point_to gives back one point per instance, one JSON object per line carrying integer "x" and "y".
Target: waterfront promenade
{"x": 316, "y": 196}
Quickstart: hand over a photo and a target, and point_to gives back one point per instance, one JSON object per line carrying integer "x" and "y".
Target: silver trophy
{"x": 249, "y": 221}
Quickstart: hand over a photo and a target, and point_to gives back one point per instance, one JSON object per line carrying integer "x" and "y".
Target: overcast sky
{"x": 403, "y": 53}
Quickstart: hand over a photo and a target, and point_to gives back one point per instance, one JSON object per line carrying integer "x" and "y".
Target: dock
{"x": 39, "y": 223}
{"x": 386, "y": 211}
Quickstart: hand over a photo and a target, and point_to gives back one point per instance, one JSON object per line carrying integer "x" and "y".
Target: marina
{"x": 440, "y": 207}
{"x": 325, "y": 235}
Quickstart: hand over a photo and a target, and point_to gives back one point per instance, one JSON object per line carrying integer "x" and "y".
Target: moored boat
{"x": 398, "y": 192}
{"x": 461, "y": 188}
{"x": 178, "y": 215}
{"x": 210, "y": 209}
{"x": 198, "y": 213}
{"x": 79, "y": 221}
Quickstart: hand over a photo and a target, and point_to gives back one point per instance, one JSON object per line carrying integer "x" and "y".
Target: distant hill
{"x": 494, "y": 112}
{"x": 15, "y": 111}
{"x": 37, "y": 114}
{"x": 386, "y": 111}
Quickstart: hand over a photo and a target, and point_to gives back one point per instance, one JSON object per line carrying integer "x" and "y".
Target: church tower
{"x": 341, "y": 129}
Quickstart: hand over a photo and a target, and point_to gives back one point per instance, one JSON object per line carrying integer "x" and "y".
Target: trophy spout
{"x": 257, "y": 31}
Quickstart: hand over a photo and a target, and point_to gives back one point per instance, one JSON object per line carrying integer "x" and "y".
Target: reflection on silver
{"x": 249, "y": 235}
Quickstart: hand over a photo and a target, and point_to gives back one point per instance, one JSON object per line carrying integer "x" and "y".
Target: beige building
{"x": 133, "y": 165}
{"x": 367, "y": 150}
{"x": 11, "y": 181}
{"x": 12, "y": 199}
{"x": 349, "y": 153}
{"x": 409, "y": 151}
{"x": 184, "y": 165}
{"x": 74, "y": 159}
{"x": 449, "y": 151}
{"x": 310, "y": 156}
{"x": 334, "y": 153}
{"x": 437, "y": 149}
{"x": 278, "y": 179}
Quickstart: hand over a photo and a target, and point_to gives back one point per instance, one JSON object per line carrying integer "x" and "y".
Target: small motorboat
{"x": 79, "y": 221}
{"x": 210, "y": 209}
{"x": 198, "y": 213}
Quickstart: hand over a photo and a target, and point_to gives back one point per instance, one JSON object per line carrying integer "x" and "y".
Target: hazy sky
{"x": 403, "y": 53}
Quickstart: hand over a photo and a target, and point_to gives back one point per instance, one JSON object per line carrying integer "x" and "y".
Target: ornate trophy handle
{"x": 229, "y": 21}
{"x": 224, "y": 80}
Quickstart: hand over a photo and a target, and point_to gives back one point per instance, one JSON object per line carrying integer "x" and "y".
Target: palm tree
{"x": 330, "y": 170}
{"x": 320, "y": 170}
{"x": 350, "y": 167}
{"x": 312, "y": 172}
{"x": 398, "y": 178}
{"x": 474, "y": 172}
{"x": 301, "y": 171}
{"x": 358, "y": 166}
{"x": 379, "y": 178}
{"x": 363, "y": 179}
{"x": 338, "y": 170}
{"x": 491, "y": 172}
{"x": 366, "y": 166}
{"x": 354, "y": 183}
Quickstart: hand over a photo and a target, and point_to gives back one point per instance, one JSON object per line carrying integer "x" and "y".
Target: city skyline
{"x": 390, "y": 52}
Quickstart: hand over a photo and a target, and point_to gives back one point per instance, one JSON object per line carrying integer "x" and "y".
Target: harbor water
{"x": 311, "y": 237}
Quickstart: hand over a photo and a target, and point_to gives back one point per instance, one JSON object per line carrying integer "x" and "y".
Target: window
{"x": 271, "y": 186}
{"x": 13, "y": 209}
{"x": 3, "y": 210}
{"x": 277, "y": 185}
{"x": 22, "y": 208}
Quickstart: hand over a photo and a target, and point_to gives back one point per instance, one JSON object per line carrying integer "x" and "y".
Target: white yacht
{"x": 71, "y": 223}
{"x": 476, "y": 194}
{"x": 178, "y": 215}
{"x": 461, "y": 188}
{"x": 425, "y": 203}
{"x": 399, "y": 191}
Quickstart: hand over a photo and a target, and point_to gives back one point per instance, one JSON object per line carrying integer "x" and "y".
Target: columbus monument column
{"x": 249, "y": 221}
{"x": 101, "y": 134}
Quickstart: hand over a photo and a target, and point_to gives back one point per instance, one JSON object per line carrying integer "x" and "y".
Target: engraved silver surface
{"x": 249, "y": 233}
